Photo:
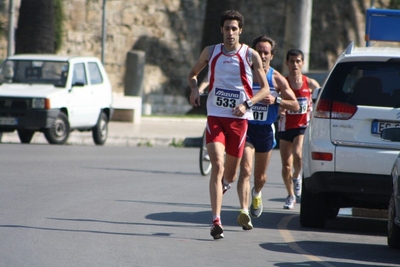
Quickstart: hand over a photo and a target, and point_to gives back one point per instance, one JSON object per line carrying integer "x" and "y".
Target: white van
{"x": 54, "y": 95}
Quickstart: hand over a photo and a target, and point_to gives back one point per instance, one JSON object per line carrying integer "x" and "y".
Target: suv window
{"x": 365, "y": 83}
{"x": 94, "y": 73}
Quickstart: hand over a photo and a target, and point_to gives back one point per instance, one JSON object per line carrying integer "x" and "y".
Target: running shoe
{"x": 297, "y": 187}
{"x": 290, "y": 201}
{"x": 216, "y": 231}
{"x": 256, "y": 206}
{"x": 225, "y": 187}
{"x": 244, "y": 220}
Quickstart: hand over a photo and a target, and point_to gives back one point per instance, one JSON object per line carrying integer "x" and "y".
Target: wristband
{"x": 248, "y": 104}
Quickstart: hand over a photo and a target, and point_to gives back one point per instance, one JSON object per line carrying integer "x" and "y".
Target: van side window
{"x": 94, "y": 73}
{"x": 79, "y": 74}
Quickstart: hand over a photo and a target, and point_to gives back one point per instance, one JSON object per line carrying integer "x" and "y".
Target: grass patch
{"x": 177, "y": 143}
{"x": 145, "y": 144}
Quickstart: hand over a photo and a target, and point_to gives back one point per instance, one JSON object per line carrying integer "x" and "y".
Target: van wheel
{"x": 100, "y": 131}
{"x": 312, "y": 209}
{"x": 25, "y": 136}
{"x": 58, "y": 133}
{"x": 393, "y": 237}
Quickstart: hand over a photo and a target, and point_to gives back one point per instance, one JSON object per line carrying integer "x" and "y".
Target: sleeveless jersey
{"x": 230, "y": 82}
{"x": 263, "y": 113}
{"x": 300, "y": 118}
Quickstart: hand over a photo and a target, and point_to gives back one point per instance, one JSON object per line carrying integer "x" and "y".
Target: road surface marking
{"x": 285, "y": 233}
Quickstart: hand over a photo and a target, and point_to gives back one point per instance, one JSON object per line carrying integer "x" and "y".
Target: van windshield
{"x": 34, "y": 72}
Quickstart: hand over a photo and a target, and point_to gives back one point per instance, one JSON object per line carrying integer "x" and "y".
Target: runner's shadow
{"x": 267, "y": 220}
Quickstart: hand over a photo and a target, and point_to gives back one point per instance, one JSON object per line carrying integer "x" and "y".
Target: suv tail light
{"x": 328, "y": 109}
{"x": 321, "y": 156}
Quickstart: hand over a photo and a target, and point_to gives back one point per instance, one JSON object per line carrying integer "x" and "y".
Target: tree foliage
{"x": 394, "y": 4}
{"x": 58, "y": 24}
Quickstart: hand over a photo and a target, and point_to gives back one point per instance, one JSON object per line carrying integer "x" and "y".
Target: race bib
{"x": 226, "y": 98}
{"x": 303, "y": 103}
{"x": 260, "y": 112}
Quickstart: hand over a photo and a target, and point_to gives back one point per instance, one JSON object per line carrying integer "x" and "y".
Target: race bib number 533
{"x": 225, "y": 98}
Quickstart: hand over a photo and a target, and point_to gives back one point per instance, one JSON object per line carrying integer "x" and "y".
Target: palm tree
{"x": 211, "y": 30}
{"x": 35, "y": 32}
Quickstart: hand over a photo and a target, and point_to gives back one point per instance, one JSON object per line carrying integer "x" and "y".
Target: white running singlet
{"x": 231, "y": 79}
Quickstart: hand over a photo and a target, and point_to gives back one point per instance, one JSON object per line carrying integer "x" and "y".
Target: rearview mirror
{"x": 391, "y": 134}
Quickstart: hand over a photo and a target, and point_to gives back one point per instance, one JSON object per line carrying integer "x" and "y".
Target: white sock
{"x": 245, "y": 211}
{"x": 224, "y": 182}
{"x": 253, "y": 192}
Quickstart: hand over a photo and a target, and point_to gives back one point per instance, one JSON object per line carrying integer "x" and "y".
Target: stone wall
{"x": 169, "y": 31}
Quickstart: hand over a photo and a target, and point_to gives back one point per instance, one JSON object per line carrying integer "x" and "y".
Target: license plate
{"x": 8, "y": 121}
{"x": 378, "y": 126}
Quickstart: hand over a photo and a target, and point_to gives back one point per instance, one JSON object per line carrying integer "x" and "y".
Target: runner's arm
{"x": 313, "y": 84}
{"x": 259, "y": 75}
{"x": 289, "y": 100}
{"x": 192, "y": 77}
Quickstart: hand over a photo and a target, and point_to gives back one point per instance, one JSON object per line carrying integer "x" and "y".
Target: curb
{"x": 152, "y": 131}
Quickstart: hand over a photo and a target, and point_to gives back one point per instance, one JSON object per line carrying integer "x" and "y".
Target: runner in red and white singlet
{"x": 292, "y": 125}
{"x": 298, "y": 119}
{"x": 228, "y": 105}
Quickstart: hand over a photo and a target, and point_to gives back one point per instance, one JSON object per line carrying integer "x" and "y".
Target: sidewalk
{"x": 153, "y": 131}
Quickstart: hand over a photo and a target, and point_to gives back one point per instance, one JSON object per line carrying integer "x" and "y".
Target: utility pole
{"x": 298, "y": 29}
{"x": 104, "y": 33}
{"x": 10, "y": 45}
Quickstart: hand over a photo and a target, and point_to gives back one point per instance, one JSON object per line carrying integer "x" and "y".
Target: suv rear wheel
{"x": 312, "y": 209}
{"x": 100, "y": 131}
{"x": 58, "y": 133}
{"x": 332, "y": 212}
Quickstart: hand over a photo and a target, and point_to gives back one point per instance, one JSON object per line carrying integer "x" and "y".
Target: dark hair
{"x": 263, "y": 38}
{"x": 294, "y": 52}
{"x": 231, "y": 15}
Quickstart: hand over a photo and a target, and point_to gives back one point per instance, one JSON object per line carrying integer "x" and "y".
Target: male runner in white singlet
{"x": 229, "y": 103}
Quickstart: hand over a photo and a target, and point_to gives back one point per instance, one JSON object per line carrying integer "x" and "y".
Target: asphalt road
{"x": 140, "y": 206}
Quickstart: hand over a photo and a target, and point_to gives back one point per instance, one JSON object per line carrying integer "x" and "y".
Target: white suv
{"x": 345, "y": 162}
{"x": 54, "y": 95}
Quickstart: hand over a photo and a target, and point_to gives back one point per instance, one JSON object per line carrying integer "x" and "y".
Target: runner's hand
{"x": 239, "y": 110}
{"x": 195, "y": 98}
